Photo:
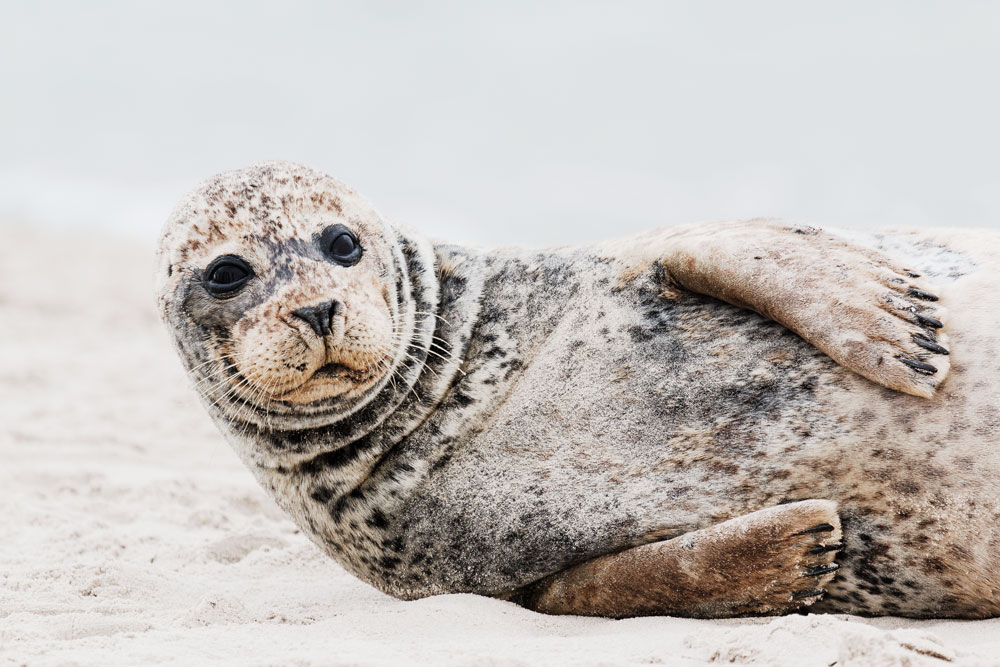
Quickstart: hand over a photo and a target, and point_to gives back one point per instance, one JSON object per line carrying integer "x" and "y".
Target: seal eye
{"x": 341, "y": 245}
{"x": 226, "y": 275}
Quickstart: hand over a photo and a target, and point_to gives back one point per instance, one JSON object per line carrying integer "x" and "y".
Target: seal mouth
{"x": 335, "y": 370}
{"x": 332, "y": 380}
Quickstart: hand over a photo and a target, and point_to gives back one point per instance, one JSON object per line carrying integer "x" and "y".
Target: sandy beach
{"x": 133, "y": 535}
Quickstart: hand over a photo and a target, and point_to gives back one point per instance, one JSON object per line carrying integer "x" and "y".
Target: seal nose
{"x": 318, "y": 316}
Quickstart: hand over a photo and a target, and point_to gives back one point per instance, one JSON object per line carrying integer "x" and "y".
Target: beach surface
{"x": 132, "y": 534}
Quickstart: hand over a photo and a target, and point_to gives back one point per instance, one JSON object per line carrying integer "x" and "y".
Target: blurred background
{"x": 526, "y": 122}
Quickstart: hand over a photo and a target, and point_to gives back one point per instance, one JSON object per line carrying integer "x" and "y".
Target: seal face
{"x": 532, "y": 423}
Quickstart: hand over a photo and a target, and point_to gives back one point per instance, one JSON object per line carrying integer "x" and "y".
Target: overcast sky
{"x": 510, "y": 122}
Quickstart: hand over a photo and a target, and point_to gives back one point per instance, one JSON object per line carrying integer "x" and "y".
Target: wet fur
{"x": 555, "y": 413}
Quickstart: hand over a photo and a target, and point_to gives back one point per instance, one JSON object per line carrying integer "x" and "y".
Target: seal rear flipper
{"x": 772, "y": 561}
{"x": 857, "y": 305}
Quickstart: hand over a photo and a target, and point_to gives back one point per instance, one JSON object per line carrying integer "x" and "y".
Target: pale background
{"x": 509, "y": 122}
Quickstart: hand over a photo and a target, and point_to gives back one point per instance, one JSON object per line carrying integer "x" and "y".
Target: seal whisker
{"x": 255, "y": 394}
{"x": 446, "y": 359}
{"x": 198, "y": 381}
{"x": 233, "y": 391}
{"x": 430, "y": 314}
{"x": 224, "y": 382}
{"x": 251, "y": 399}
{"x": 407, "y": 355}
{"x": 430, "y": 351}
{"x": 236, "y": 389}
{"x": 206, "y": 363}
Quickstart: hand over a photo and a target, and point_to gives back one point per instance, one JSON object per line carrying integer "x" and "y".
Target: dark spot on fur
{"x": 378, "y": 520}
{"x": 639, "y": 334}
{"x": 322, "y": 494}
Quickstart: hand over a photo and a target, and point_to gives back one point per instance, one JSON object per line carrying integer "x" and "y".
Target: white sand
{"x": 132, "y": 534}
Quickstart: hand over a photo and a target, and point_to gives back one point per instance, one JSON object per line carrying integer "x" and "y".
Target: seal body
{"x": 551, "y": 406}
{"x": 594, "y": 415}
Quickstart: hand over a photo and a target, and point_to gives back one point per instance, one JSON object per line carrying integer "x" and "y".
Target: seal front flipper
{"x": 866, "y": 312}
{"x": 772, "y": 561}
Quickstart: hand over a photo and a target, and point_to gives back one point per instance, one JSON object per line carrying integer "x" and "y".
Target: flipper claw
{"x": 928, "y": 321}
{"x": 919, "y": 366}
{"x": 826, "y": 548}
{"x": 921, "y": 294}
{"x": 928, "y": 345}
{"x": 808, "y": 593}
{"x": 818, "y": 528}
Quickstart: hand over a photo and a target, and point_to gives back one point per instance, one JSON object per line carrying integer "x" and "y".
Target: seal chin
{"x": 333, "y": 380}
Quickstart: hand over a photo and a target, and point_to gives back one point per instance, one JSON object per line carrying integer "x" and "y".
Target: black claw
{"x": 919, "y": 366}
{"x": 928, "y": 345}
{"x": 920, "y": 294}
{"x": 811, "y": 593}
{"x": 819, "y": 528}
{"x": 825, "y": 569}
{"x": 912, "y": 274}
{"x": 928, "y": 321}
{"x": 826, "y": 548}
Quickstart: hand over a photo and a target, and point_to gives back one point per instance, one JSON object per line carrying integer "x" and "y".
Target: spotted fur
{"x": 533, "y": 409}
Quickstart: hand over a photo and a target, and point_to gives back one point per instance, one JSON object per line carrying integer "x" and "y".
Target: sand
{"x": 131, "y": 534}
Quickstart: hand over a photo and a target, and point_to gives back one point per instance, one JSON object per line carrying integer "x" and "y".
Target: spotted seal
{"x": 714, "y": 420}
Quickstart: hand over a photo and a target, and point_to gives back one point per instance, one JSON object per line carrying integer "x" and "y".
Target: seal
{"x": 714, "y": 420}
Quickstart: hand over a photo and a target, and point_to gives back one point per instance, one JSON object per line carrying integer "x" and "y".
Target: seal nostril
{"x": 318, "y": 317}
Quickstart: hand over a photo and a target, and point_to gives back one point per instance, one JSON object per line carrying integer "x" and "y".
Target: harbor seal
{"x": 712, "y": 420}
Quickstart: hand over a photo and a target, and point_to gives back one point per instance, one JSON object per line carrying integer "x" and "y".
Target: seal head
{"x": 289, "y": 297}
